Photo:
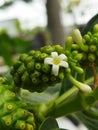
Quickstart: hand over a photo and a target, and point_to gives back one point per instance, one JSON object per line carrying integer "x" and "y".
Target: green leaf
{"x": 33, "y": 98}
{"x": 50, "y": 124}
{"x": 91, "y": 123}
{"x": 90, "y": 24}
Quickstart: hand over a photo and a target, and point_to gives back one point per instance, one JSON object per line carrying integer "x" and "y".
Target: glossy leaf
{"x": 91, "y": 123}
{"x": 90, "y": 24}
{"x": 50, "y": 124}
{"x": 47, "y": 95}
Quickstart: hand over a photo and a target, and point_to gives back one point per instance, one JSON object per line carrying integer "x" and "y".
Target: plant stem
{"x": 67, "y": 103}
{"x": 92, "y": 65}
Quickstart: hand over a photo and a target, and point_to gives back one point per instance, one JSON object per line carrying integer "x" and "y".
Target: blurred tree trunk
{"x": 54, "y": 22}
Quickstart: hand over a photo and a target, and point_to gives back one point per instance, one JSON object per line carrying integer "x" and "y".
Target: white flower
{"x": 56, "y": 61}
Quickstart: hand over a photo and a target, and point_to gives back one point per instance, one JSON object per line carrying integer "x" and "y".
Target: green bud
{"x": 43, "y": 56}
{"x": 29, "y": 127}
{"x": 35, "y": 80}
{"x": 68, "y": 70}
{"x": 20, "y": 125}
{"x": 9, "y": 95}
{"x": 89, "y": 33}
{"x": 77, "y": 37}
{"x": 79, "y": 56}
{"x": 92, "y": 48}
{"x": 95, "y": 28}
{"x": 68, "y": 43}
{"x": 95, "y": 41}
{"x": 45, "y": 78}
{"x": 31, "y": 66}
{"x": 36, "y": 74}
{"x": 87, "y": 37}
{"x": 32, "y": 52}
{"x": 46, "y": 68}
{"x": 67, "y": 52}
{"x": 61, "y": 76}
{"x": 30, "y": 120}
{"x": 75, "y": 46}
{"x": 91, "y": 57}
{"x": 10, "y": 106}
{"x": 21, "y": 69}
{"x": 74, "y": 53}
{"x": 47, "y": 49}
{"x": 37, "y": 55}
{"x": 7, "y": 120}
{"x": 58, "y": 48}
{"x": 25, "y": 78}
{"x": 23, "y": 57}
{"x": 20, "y": 113}
{"x": 38, "y": 66}
{"x": 28, "y": 59}
{"x": 78, "y": 69}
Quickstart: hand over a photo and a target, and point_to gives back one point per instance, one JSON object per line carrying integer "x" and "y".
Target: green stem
{"x": 67, "y": 103}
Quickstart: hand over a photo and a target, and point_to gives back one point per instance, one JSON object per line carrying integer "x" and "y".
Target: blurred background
{"x": 30, "y": 24}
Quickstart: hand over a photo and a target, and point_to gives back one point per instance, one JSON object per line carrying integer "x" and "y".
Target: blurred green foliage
{"x": 12, "y": 45}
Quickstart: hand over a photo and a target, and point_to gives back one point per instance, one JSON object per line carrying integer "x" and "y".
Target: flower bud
{"x": 21, "y": 69}
{"x": 37, "y": 66}
{"x": 87, "y": 37}
{"x": 47, "y": 49}
{"x": 20, "y": 125}
{"x": 23, "y": 57}
{"x": 58, "y": 48}
{"x": 95, "y": 28}
{"x": 7, "y": 121}
{"x": 68, "y": 43}
{"x": 30, "y": 66}
{"x": 46, "y": 68}
{"x": 92, "y": 48}
{"x": 45, "y": 78}
{"x": 91, "y": 57}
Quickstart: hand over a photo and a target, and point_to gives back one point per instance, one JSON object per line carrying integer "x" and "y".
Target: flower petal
{"x": 62, "y": 56}
{"x": 64, "y": 64}
{"x": 54, "y": 54}
{"x": 55, "y": 69}
{"x": 48, "y": 61}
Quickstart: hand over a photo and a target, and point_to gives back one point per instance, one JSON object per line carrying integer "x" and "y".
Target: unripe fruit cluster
{"x": 84, "y": 48}
{"x": 13, "y": 115}
{"x": 30, "y": 72}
